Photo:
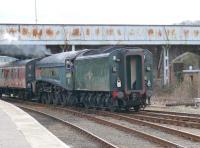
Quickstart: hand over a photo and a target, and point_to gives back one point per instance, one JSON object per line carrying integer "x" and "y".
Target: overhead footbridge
{"x": 59, "y": 34}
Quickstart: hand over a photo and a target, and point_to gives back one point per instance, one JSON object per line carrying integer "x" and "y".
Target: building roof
{"x": 185, "y": 57}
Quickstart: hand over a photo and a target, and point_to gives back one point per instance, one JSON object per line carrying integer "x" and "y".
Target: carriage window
{"x": 6, "y": 72}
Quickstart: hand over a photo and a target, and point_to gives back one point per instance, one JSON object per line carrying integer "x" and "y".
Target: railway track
{"x": 101, "y": 142}
{"x": 170, "y": 113}
{"x": 172, "y": 120}
{"x": 173, "y": 131}
{"x": 146, "y": 136}
{"x": 149, "y": 137}
{"x": 154, "y": 139}
{"x": 182, "y": 117}
{"x": 125, "y": 117}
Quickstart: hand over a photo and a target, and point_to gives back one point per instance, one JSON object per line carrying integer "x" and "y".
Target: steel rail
{"x": 171, "y": 116}
{"x": 166, "y": 121}
{"x": 173, "y": 113}
{"x": 95, "y": 138}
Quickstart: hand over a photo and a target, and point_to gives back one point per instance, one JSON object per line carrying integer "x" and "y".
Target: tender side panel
{"x": 148, "y": 71}
{"x": 92, "y": 74}
{"x": 116, "y": 72}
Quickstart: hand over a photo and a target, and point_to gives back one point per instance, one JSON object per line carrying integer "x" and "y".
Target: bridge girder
{"x": 45, "y": 34}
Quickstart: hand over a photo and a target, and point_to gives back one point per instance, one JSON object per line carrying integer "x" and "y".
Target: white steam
{"x": 24, "y": 51}
{"x": 9, "y": 37}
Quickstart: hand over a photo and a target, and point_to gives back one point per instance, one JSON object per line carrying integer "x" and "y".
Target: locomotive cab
{"x": 69, "y": 69}
{"x": 134, "y": 81}
{"x": 134, "y": 66}
{"x": 129, "y": 89}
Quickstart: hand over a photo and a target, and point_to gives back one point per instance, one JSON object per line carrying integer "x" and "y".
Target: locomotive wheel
{"x": 70, "y": 100}
{"x": 73, "y": 100}
{"x": 85, "y": 101}
{"x": 81, "y": 100}
{"x": 93, "y": 100}
{"x": 56, "y": 98}
{"x": 102, "y": 102}
{"x": 98, "y": 101}
{"x": 64, "y": 99}
{"x": 43, "y": 98}
{"x": 49, "y": 99}
{"x": 20, "y": 95}
{"x": 39, "y": 96}
{"x": 137, "y": 108}
{"x": 90, "y": 104}
{"x": 112, "y": 108}
{"x": 112, "y": 105}
{"x": 127, "y": 109}
{"x": 26, "y": 96}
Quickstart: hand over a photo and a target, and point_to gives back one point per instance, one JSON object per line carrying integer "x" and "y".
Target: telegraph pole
{"x": 36, "y": 20}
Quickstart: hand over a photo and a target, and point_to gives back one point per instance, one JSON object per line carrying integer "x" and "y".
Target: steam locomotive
{"x": 108, "y": 78}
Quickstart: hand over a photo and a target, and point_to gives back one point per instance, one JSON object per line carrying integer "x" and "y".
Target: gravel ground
{"x": 67, "y": 135}
{"x": 166, "y": 136}
{"x": 116, "y": 137}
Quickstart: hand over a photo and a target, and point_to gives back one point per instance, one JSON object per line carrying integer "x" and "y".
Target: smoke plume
{"x": 22, "y": 51}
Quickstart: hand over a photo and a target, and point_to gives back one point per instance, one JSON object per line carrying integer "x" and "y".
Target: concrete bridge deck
{"x": 60, "y": 34}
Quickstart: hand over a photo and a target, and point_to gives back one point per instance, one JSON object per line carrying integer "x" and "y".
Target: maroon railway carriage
{"x": 18, "y": 78}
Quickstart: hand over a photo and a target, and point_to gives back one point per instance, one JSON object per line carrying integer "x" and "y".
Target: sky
{"x": 99, "y": 11}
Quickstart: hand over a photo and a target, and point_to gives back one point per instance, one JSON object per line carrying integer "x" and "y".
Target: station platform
{"x": 19, "y": 130}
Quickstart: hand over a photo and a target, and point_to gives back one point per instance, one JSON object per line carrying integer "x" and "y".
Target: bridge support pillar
{"x": 166, "y": 65}
{"x": 73, "y": 48}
